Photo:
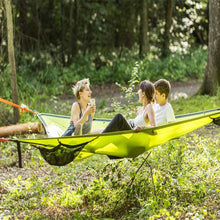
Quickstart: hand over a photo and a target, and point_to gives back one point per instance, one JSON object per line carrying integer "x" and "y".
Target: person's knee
{"x": 119, "y": 116}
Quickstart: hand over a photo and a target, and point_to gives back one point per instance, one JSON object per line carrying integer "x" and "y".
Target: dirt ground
{"x": 189, "y": 88}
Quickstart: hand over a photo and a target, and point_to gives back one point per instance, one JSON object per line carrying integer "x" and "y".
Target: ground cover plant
{"x": 177, "y": 180}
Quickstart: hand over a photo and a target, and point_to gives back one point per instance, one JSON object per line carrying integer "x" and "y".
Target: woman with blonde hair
{"x": 82, "y": 111}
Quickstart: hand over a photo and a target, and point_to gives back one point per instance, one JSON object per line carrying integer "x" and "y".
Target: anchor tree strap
{"x": 22, "y": 107}
{"x": 5, "y": 139}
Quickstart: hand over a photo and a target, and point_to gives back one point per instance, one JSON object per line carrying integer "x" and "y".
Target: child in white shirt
{"x": 163, "y": 110}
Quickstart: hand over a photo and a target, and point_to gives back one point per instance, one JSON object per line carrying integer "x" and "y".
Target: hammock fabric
{"x": 59, "y": 151}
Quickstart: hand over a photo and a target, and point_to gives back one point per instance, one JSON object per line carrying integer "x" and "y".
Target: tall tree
{"x": 22, "y": 19}
{"x": 75, "y": 28}
{"x": 144, "y": 38}
{"x": 1, "y": 29}
{"x": 125, "y": 23}
{"x": 212, "y": 74}
{"x": 168, "y": 21}
{"x": 117, "y": 26}
{"x": 130, "y": 16}
{"x": 11, "y": 58}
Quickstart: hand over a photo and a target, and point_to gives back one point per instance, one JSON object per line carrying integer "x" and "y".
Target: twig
{"x": 151, "y": 171}
{"x": 132, "y": 180}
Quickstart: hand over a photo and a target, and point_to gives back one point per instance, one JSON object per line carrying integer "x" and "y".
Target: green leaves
{"x": 179, "y": 180}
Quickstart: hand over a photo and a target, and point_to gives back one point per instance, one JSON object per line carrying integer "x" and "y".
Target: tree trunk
{"x": 212, "y": 74}
{"x": 75, "y": 28}
{"x": 144, "y": 38}
{"x": 62, "y": 34}
{"x": 117, "y": 28}
{"x": 22, "y": 6}
{"x": 130, "y": 27}
{"x": 168, "y": 22}
{"x": 38, "y": 22}
{"x": 11, "y": 58}
{"x": 73, "y": 22}
{"x": 1, "y": 32}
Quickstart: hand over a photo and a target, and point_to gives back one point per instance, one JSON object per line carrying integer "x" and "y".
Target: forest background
{"x": 58, "y": 43}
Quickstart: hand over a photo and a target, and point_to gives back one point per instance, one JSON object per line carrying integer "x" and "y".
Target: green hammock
{"x": 59, "y": 151}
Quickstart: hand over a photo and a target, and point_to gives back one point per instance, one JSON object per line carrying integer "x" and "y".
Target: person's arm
{"x": 151, "y": 116}
{"x": 92, "y": 117}
{"x": 75, "y": 113}
{"x": 170, "y": 115}
{"x": 148, "y": 115}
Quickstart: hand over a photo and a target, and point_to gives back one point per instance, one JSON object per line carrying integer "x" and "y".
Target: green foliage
{"x": 54, "y": 80}
{"x": 176, "y": 67}
{"x": 179, "y": 180}
{"x": 102, "y": 104}
{"x": 176, "y": 180}
{"x": 197, "y": 102}
{"x": 129, "y": 94}
{"x": 64, "y": 29}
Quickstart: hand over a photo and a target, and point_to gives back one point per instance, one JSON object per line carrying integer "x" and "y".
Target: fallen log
{"x": 18, "y": 129}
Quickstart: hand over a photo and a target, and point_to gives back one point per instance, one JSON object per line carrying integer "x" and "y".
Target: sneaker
{"x": 78, "y": 130}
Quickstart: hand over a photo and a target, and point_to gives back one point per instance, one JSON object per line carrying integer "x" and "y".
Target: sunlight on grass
{"x": 181, "y": 179}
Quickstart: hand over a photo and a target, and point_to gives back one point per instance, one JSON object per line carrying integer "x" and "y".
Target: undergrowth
{"x": 177, "y": 180}
{"x": 44, "y": 77}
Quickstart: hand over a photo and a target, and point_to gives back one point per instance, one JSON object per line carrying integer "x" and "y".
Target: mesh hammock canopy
{"x": 59, "y": 151}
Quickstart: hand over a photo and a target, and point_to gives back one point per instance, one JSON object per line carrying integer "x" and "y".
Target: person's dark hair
{"x": 163, "y": 86}
{"x": 148, "y": 88}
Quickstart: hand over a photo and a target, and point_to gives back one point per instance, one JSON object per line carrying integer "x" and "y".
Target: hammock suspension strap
{"x": 22, "y": 107}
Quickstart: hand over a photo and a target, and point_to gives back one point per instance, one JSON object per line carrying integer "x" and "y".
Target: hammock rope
{"x": 22, "y": 107}
{"x": 5, "y": 139}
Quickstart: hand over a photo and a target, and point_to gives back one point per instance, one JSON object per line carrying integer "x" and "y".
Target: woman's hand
{"x": 138, "y": 128}
{"x": 90, "y": 109}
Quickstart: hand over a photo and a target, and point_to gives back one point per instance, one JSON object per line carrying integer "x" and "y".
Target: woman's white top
{"x": 139, "y": 120}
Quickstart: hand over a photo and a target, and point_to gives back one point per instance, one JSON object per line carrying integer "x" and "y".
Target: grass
{"x": 180, "y": 180}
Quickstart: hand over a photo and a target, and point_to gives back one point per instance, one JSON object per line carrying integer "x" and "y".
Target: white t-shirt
{"x": 138, "y": 121}
{"x": 164, "y": 114}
